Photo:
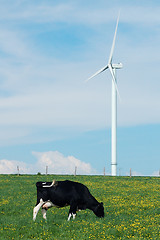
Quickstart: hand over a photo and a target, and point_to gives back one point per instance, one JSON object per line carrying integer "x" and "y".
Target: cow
{"x": 63, "y": 193}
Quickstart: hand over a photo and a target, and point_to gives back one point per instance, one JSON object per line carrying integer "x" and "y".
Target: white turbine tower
{"x": 112, "y": 67}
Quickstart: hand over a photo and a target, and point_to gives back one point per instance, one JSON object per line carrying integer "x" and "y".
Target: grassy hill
{"x": 132, "y": 209}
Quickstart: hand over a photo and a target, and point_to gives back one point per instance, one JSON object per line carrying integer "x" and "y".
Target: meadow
{"x": 132, "y": 209}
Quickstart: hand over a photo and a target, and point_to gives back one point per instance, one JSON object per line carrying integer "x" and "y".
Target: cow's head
{"x": 99, "y": 210}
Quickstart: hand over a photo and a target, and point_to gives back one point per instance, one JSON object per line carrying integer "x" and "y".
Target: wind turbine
{"x": 112, "y": 68}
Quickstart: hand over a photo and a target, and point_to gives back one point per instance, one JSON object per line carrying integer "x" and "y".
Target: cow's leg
{"x": 45, "y": 208}
{"x": 44, "y": 211}
{"x": 36, "y": 209}
{"x": 70, "y": 215}
{"x": 72, "y": 210}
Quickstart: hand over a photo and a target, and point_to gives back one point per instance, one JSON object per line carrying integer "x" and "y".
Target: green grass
{"x": 132, "y": 209}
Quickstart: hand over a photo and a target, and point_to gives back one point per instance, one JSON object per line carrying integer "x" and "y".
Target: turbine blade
{"x": 113, "y": 43}
{"x": 98, "y": 72}
{"x": 114, "y": 80}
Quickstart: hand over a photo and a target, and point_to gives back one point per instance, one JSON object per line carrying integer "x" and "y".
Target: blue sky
{"x": 49, "y": 116}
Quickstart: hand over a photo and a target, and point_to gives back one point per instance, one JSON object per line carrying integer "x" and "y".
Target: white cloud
{"x": 55, "y": 106}
{"x": 10, "y": 167}
{"x": 76, "y": 12}
{"x": 44, "y": 91}
{"x": 57, "y": 164}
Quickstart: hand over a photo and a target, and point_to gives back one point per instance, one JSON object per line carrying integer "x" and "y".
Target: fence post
{"x": 104, "y": 172}
{"x": 18, "y": 170}
{"x": 46, "y": 170}
{"x": 130, "y": 172}
{"x": 75, "y": 172}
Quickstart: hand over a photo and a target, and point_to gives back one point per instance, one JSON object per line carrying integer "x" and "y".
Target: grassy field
{"x": 132, "y": 209}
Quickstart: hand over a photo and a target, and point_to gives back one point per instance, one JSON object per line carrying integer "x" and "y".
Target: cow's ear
{"x": 102, "y": 203}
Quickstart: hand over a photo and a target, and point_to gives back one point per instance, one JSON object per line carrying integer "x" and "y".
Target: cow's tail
{"x": 46, "y": 184}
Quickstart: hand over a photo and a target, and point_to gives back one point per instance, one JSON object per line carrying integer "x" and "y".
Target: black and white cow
{"x": 63, "y": 193}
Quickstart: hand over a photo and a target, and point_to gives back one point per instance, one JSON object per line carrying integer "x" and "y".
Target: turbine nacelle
{"x": 117, "y": 65}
